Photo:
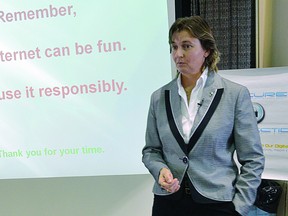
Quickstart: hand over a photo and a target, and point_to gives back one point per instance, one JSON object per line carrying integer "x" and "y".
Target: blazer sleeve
{"x": 152, "y": 156}
{"x": 249, "y": 153}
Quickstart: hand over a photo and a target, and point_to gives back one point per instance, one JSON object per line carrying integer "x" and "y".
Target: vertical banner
{"x": 269, "y": 93}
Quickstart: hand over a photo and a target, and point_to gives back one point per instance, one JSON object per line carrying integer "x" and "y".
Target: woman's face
{"x": 187, "y": 53}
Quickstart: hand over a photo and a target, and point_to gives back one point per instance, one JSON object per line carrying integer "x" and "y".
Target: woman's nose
{"x": 178, "y": 53}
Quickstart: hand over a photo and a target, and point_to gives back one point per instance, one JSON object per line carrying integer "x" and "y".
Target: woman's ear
{"x": 206, "y": 54}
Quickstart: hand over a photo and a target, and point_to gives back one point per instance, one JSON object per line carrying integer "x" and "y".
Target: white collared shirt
{"x": 189, "y": 111}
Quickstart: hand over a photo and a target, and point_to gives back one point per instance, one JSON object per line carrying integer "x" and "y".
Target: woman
{"x": 195, "y": 125}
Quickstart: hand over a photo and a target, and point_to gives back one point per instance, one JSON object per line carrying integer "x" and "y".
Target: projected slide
{"x": 75, "y": 83}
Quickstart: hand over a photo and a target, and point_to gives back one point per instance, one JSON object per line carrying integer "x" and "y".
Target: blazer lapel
{"x": 212, "y": 84}
{"x": 175, "y": 101}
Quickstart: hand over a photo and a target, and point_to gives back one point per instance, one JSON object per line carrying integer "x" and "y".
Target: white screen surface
{"x": 76, "y": 78}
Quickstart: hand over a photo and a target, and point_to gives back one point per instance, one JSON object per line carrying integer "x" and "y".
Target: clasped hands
{"x": 167, "y": 181}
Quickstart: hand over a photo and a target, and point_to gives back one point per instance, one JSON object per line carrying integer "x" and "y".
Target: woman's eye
{"x": 187, "y": 46}
{"x": 174, "y": 47}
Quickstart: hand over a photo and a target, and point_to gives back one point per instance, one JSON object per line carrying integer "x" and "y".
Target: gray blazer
{"x": 210, "y": 167}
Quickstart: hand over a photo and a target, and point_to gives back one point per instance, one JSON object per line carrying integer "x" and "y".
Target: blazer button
{"x": 185, "y": 159}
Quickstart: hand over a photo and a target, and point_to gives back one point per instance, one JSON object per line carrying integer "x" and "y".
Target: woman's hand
{"x": 167, "y": 181}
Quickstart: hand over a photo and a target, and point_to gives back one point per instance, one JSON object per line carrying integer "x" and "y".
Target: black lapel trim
{"x": 188, "y": 147}
{"x": 205, "y": 120}
{"x": 172, "y": 123}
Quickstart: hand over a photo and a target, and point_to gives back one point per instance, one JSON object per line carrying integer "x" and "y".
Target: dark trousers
{"x": 186, "y": 206}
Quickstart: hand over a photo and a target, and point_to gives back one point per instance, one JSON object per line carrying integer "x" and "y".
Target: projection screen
{"x": 76, "y": 79}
